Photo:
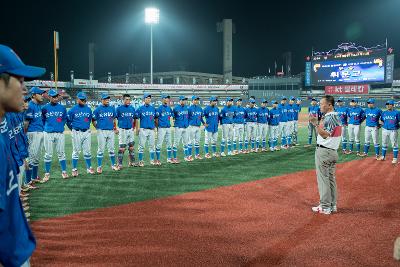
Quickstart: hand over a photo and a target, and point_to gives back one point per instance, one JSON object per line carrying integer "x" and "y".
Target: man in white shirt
{"x": 329, "y": 135}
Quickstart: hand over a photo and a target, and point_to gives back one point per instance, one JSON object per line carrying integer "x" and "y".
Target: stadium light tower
{"x": 152, "y": 16}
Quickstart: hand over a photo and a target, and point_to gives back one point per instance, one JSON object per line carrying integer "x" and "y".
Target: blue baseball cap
{"x": 229, "y": 99}
{"x": 238, "y": 99}
{"x": 313, "y": 99}
{"x": 182, "y": 97}
{"x": 274, "y": 101}
{"x": 36, "y": 90}
{"x": 104, "y": 96}
{"x": 283, "y": 98}
{"x": 264, "y": 100}
{"x": 213, "y": 98}
{"x": 341, "y": 99}
{"x": 252, "y": 100}
{"x": 298, "y": 99}
{"x": 354, "y": 100}
{"x": 292, "y": 98}
{"x": 164, "y": 96}
{"x": 146, "y": 95}
{"x": 195, "y": 97}
{"x": 52, "y": 93}
{"x": 81, "y": 96}
{"x": 11, "y": 63}
{"x": 371, "y": 101}
{"x": 390, "y": 102}
{"x": 27, "y": 97}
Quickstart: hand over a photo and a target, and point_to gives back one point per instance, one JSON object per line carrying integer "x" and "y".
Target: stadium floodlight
{"x": 152, "y": 16}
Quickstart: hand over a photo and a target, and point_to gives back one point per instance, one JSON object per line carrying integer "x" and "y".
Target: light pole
{"x": 152, "y": 16}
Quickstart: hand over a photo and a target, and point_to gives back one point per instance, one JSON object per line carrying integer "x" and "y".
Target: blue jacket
{"x": 125, "y": 116}
{"x": 79, "y": 117}
{"x": 212, "y": 116}
{"x": 104, "y": 116}
{"x": 55, "y": 117}
{"x": 146, "y": 114}
{"x": 164, "y": 114}
{"x": 195, "y": 115}
{"x": 181, "y": 115}
{"x": 227, "y": 115}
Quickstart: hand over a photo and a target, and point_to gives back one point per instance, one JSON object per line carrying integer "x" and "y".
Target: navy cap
{"x": 341, "y": 99}
{"x": 12, "y": 64}
{"x": 313, "y": 99}
{"x": 264, "y": 100}
{"x": 229, "y": 99}
{"x": 27, "y": 97}
{"x": 182, "y": 97}
{"x": 252, "y": 100}
{"x": 292, "y": 98}
{"x": 274, "y": 101}
{"x": 371, "y": 101}
{"x": 36, "y": 90}
{"x": 353, "y": 100}
{"x": 104, "y": 96}
{"x": 390, "y": 102}
{"x": 165, "y": 96}
{"x": 283, "y": 98}
{"x": 195, "y": 97}
{"x": 52, "y": 93}
{"x": 298, "y": 99}
{"x": 146, "y": 95}
{"x": 213, "y": 98}
{"x": 81, "y": 96}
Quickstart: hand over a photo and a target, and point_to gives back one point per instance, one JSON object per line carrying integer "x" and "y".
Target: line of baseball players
{"x": 352, "y": 118}
{"x": 241, "y": 127}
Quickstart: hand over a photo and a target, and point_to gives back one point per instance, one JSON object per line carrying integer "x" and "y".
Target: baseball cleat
{"x": 186, "y": 159}
{"x": 198, "y": 157}
{"x": 207, "y": 156}
{"x": 263, "y": 150}
{"x": 24, "y": 198}
{"x": 308, "y": 145}
{"x": 363, "y": 154}
{"x": 131, "y": 164}
{"x": 115, "y": 167}
{"x": 190, "y": 158}
{"x": 271, "y": 149}
{"x": 176, "y": 161}
{"x": 158, "y": 162}
{"x": 217, "y": 155}
{"x": 230, "y": 153}
{"x": 381, "y": 158}
{"x": 90, "y": 171}
{"x": 64, "y": 175}
{"x": 223, "y": 154}
{"x": 152, "y": 162}
{"x": 99, "y": 170}
{"x": 170, "y": 161}
{"x": 141, "y": 163}
{"x": 74, "y": 172}
{"x": 24, "y": 188}
{"x": 334, "y": 209}
{"x": 319, "y": 209}
{"x": 45, "y": 178}
{"x": 394, "y": 161}
{"x": 32, "y": 186}
{"x": 277, "y": 148}
{"x": 37, "y": 179}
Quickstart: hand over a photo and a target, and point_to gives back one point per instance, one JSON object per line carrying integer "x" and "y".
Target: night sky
{"x": 186, "y": 38}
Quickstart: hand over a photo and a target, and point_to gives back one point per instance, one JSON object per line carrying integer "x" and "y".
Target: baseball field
{"x": 243, "y": 210}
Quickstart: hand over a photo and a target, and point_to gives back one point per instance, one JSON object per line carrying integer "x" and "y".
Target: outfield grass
{"x": 60, "y": 197}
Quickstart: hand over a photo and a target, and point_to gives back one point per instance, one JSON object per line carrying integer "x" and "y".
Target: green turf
{"x": 60, "y": 197}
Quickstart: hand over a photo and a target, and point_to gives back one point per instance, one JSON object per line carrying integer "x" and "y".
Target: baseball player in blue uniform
{"x": 343, "y": 113}
{"x": 262, "y": 124}
{"x": 391, "y": 124}
{"x": 226, "y": 117}
{"x": 34, "y": 130}
{"x": 290, "y": 123}
{"x": 22, "y": 143}
{"x": 211, "y": 114}
{"x": 195, "y": 121}
{"x": 146, "y": 114}
{"x": 17, "y": 241}
{"x": 296, "y": 111}
{"x": 104, "y": 120}
{"x": 372, "y": 117}
{"x": 181, "y": 124}
{"x": 251, "y": 126}
{"x": 238, "y": 127}
{"x": 313, "y": 112}
{"x": 163, "y": 123}
{"x": 356, "y": 117}
{"x": 55, "y": 117}
{"x": 283, "y": 124}
{"x": 273, "y": 121}
{"x": 126, "y": 123}
{"x": 79, "y": 118}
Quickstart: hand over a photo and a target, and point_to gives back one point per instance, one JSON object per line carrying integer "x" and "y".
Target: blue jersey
{"x": 343, "y": 113}
{"x": 251, "y": 114}
{"x": 195, "y": 115}
{"x": 55, "y": 117}
{"x": 164, "y": 114}
{"x": 104, "y": 116}
{"x": 212, "y": 117}
{"x": 356, "y": 115}
{"x": 181, "y": 116}
{"x": 146, "y": 114}
{"x": 296, "y": 111}
{"x": 7, "y": 130}
{"x": 17, "y": 241}
{"x": 227, "y": 114}
{"x": 390, "y": 119}
{"x": 262, "y": 115}
{"x": 125, "y": 116}
{"x": 284, "y": 111}
{"x": 20, "y": 136}
{"x": 315, "y": 111}
{"x": 240, "y": 114}
{"x": 79, "y": 117}
{"x": 274, "y": 116}
{"x": 290, "y": 112}
{"x": 372, "y": 116}
{"x": 35, "y": 117}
